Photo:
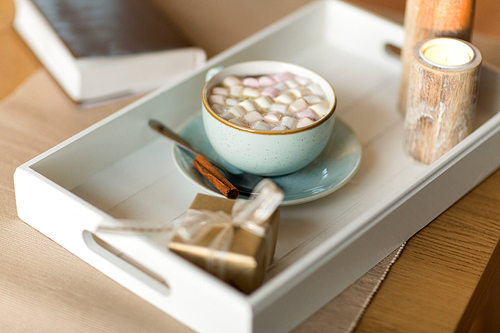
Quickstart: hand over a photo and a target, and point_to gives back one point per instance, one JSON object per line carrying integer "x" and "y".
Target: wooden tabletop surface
{"x": 444, "y": 280}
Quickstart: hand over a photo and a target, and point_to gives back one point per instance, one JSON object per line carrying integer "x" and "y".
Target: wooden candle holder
{"x": 441, "y": 102}
{"x": 432, "y": 18}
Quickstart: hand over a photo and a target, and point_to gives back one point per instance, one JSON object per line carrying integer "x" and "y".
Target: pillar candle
{"x": 432, "y": 18}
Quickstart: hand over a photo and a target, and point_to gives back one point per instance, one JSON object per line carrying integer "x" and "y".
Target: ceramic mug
{"x": 267, "y": 153}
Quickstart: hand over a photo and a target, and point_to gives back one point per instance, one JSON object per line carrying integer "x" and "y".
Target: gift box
{"x": 245, "y": 260}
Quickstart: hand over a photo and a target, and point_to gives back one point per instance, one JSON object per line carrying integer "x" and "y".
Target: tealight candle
{"x": 442, "y": 95}
{"x": 447, "y": 52}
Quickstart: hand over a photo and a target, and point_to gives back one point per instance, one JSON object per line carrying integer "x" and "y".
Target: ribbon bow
{"x": 193, "y": 225}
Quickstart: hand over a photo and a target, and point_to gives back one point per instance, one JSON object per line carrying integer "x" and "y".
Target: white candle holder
{"x": 442, "y": 96}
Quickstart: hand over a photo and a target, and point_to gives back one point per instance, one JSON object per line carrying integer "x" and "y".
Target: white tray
{"x": 119, "y": 168}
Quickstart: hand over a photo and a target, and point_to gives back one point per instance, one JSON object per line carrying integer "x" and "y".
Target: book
{"x": 104, "y": 49}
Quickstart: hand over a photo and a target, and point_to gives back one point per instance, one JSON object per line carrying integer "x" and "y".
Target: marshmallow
{"x": 278, "y": 107}
{"x": 252, "y": 117}
{"x": 266, "y": 81}
{"x": 237, "y": 122}
{"x": 237, "y": 111}
{"x": 300, "y": 92}
{"x": 281, "y": 77}
{"x": 280, "y": 86}
{"x": 220, "y": 91}
{"x": 316, "y": 89}
{"x": 264, "y": 102}
{"x": 302, "y": 80}
{"x": 288, "y": 122}
{"x": 217, "y": 99}
{"x": 285, "y": 98}
{"x": 304, "y": 122}
{"x": 230, "y": 81}
{"x": 292, "y": 83}
{"x": 236, "y": 90}
{"x": 248, "y": 105}
{"x": 227, "y": 115}
{"x": 260, "y": 125}
{"x": 218, "y": 108}
{"x": 321, "y": 108}
{"x": 312, "y": 99}
{"x": 271, "y": 92}
{"x": 232, "y": 101}
{"x": 306, "y": 113}
{"x": 298, "y": 105}
{"x": 251, "y": 82}
{"x": 251, "y": 92}
{"x": 273, "y": 117}
{"x": 280, "y": 128}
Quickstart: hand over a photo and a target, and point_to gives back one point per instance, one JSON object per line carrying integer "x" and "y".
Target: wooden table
{"x": 446, "y": 273}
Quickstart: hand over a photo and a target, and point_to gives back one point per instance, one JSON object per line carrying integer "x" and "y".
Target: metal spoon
{"x": 244, "y": 182}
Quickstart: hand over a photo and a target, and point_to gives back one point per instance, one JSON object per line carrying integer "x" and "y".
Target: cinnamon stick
{"x": 215, "y": 177}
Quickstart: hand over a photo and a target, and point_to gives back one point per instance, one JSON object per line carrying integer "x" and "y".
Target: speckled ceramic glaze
{"x": 331, "y": 170}
{"x": 267, "y": 153}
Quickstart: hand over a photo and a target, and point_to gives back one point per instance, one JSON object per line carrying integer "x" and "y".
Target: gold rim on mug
{"x": 269, "y": 132}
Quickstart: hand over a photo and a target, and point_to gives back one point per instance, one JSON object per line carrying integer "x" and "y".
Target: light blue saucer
{"x": 333, "y": 168}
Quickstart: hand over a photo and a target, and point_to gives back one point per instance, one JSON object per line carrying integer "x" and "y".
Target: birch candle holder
{"x": 442, "y": 96}
{"x": 432, "y": 18}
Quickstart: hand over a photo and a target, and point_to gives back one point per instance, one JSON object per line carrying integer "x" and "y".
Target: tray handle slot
{"x": 143, "y": 274}
{"x": 392, "y": 50}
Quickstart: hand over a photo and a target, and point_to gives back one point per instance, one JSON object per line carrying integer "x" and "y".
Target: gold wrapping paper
{"x": 249, "y": 256}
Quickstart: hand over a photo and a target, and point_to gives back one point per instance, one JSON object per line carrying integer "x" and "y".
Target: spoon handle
{"x": 167, "y": 132}
{"x": 201, "y": 163}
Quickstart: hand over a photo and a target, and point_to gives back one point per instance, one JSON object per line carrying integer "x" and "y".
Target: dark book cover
{"x": 93, "y": 28}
